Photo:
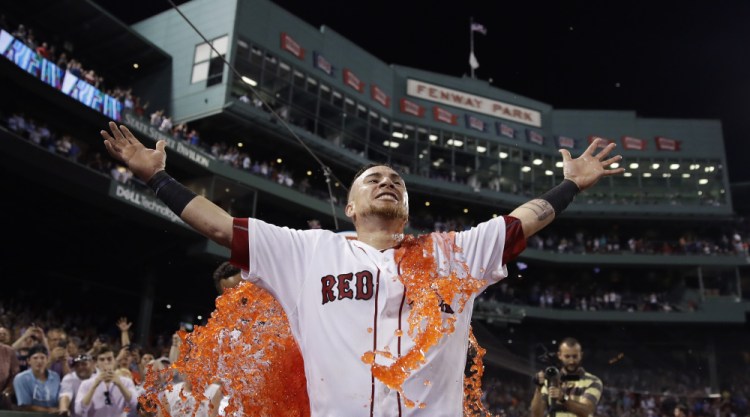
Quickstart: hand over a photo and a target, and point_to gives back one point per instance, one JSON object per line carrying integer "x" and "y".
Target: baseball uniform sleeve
{"x": 487, "y": 247}
{"x": 274, "y": 257}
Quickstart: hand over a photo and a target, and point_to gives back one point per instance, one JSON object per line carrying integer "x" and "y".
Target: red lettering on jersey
{"x": 364, "y": 285}
{"x": 344, "y": 290}
{"x": 328, "y": 282}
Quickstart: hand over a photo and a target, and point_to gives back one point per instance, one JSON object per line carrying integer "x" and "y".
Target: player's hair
{"x": 570, "y": 341}
{"x": 101, "y": 350}
{"x": 224, "y": 271}
{"x": 362, "y": 170}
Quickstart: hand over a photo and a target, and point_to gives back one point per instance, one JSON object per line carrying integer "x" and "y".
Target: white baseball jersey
{"x": 344, "y": 298}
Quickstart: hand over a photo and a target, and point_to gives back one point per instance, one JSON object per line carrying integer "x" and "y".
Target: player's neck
{"x": 380, "y": 234}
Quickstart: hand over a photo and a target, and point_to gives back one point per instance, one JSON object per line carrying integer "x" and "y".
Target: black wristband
{"x": 561, "y": 195}
{"x": 175, "y": 195}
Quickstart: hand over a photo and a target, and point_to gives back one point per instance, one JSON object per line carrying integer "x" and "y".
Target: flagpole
{"x": 471, "y": 42}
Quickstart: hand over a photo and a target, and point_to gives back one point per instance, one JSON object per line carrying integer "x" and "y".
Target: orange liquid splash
{"x": 425, "y": 289}
{"x": 246, "y": 347}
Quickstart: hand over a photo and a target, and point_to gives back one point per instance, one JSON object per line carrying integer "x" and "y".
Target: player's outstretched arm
{"x": 148, "y": 165}
{"x": 580, "y": 174}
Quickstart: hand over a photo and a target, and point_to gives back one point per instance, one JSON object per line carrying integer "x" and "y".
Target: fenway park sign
{"x": 455, "y": 98}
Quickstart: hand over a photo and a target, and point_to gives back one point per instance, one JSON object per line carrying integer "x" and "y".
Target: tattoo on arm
{"x": 541, "y": 208}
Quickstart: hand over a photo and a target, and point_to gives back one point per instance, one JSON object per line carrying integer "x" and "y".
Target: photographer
{"x": 569, "y": 391}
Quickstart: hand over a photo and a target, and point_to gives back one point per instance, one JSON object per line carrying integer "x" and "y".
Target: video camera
{"x": 552, "y": 375}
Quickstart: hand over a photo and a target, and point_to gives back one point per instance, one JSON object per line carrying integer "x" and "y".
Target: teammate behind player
{"x": 365, "y": 352}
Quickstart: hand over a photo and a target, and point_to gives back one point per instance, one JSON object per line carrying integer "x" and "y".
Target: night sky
{"x": 686, "y": 59}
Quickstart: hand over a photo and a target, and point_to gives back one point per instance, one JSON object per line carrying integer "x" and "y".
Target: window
{"x": 208, "y": 65}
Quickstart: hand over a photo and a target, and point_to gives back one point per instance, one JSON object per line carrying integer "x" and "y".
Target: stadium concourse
{"x": 649, "y": 271}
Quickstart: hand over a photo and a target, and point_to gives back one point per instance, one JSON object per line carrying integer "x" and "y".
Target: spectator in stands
{"x": 59, "y": 361}
{"x": 681, "y": 410}
{"x": 37, "y": 388}
{"x": 63, "y": 145}
{"x": 33, "y": 335}
{"x": 5, "y": 337}
{"x": 576, "y": 393}
{"x": 9, "y": 368}
{"x": 43, "y": 51}
{"x": 107, "y": 394}
{"x": 83, "y": 368}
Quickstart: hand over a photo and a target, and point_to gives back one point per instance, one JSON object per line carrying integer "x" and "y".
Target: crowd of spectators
{"x": 64, "y": 60}
{"x": 37, "y": 131}
{"x": 47, "y": 356}
{"x": 638, "y": 393}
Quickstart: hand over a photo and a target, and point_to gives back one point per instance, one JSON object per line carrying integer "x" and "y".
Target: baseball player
{"x": 362, "y": 310}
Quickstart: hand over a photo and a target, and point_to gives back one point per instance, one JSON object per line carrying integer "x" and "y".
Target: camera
{"x": 552, "y": 375}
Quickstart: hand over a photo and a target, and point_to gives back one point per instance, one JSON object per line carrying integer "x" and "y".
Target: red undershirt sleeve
{"x": 515, "y": 241}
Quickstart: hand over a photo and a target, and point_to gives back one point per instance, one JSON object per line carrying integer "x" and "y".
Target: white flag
{"x": 473, "y": 61}
{"x": 478, "y": 27}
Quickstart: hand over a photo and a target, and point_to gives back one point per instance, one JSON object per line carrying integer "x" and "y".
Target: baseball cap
{"x": 81, "y": 358}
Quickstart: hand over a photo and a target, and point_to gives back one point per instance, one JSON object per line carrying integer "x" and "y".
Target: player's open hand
{"x": 125, "y": 147}
{"x": 587, "y": 169}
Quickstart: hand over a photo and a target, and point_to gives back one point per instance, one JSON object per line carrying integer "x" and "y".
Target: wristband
{"x": 561, "y": 195}
{"x": 175, "y": 195}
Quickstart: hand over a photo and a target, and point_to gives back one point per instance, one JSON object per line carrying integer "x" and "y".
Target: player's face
{"x": 570, "y": 357}
{"x": 379, "y": 192}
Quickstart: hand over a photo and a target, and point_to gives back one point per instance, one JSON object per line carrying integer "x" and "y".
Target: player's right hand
{"x": 126, "y": 148}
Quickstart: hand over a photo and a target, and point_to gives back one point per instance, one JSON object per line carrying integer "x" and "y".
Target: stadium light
{"x": 537, "y": 161}
{"x": 702, "y": 181}
{"x": 503, "y": 155}
{"x": 135, "y": 65}
{"x": 427, "y": 204}
{"x": 686, "y": 175}
{"x": 655, "y": 166}
{"x": 634, "y": 165}
{"x": 433, "y": 138}
{"x": 674, "y": 166}
{"x": 455, "y": 142}
{"x": 466, "y": 210}
{"x": 392, "y": 144}
{"x": 559, "y": 164}
{"x": 627, "y": 174}
{"x": 481, "y": 149}
{"x": 525, "y": 169}
{"x": 399, "y": 135}
{"x": 548, "y": 173}
{"x": 249, "y": 81}
{"x": 647, "y": 175}
{"x": 614, "y": 165}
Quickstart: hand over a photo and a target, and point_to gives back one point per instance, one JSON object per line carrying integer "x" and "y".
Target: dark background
{"x": 665, "y": 59}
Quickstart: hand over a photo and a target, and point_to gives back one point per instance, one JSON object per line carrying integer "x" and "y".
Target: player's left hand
{"x": 587, "y": 169}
